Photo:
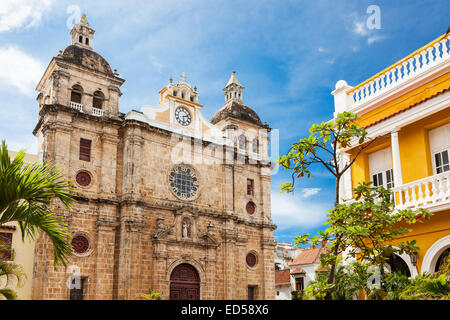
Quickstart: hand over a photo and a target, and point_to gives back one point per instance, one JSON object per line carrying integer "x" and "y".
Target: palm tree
{"x": 26, "y": 193}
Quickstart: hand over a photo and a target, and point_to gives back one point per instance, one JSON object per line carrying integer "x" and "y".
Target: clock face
{"x": 183, "y": 116}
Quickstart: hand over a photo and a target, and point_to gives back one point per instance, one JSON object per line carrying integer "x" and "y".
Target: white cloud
{"x": 374, "y": 38}
{"x": 21, "y": 13}
{"x": 359, "y": 27}
{"x": 292, "y": 211}
{"x": 308, "y": 192}
{"x": 19, "y": 69}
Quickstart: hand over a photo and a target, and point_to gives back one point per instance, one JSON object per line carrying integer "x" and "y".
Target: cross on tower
{"x": 183, "y": 75}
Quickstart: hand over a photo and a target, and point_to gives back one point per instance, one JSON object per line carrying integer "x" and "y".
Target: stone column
{"x": 108, "y": 166}
{"x": 396, "y": 163}
{"x": 104, "y": 269}
{"x": 130, "y": 253}
{"x": 160, "y": 283}
{"x": 228, "y": 189}
{"x": 265, "y": 179}
{"x": 132, "y": 163}
{"x": 229, "y": 260}
{"x": 241, "y": 268}
{"x": 210, "y": 272}
{"x": 268, "y": 257}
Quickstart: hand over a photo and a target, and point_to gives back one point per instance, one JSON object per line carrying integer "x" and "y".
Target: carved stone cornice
{"x": 51, "y": 108}
{"x": 134, "y": 225}
{"x": 106, "y": 137}
{"x": 106, "y": 224}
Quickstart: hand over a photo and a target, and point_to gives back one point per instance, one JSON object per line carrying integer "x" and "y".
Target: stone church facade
{"x": 165, "y": 198}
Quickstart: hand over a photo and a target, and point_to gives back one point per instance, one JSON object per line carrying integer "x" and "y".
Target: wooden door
{"x": 184, "y": 283}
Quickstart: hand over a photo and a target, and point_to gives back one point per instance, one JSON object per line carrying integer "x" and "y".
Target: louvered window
{"x": 250, "y": 187}
{"x": 85, "y": 149}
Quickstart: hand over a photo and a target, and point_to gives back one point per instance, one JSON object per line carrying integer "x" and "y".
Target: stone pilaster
{"x": 130, "y": 253}
{"x": 104, "y": 267}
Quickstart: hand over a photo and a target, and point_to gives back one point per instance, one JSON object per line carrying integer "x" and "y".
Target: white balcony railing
{"x": 97, "y": 112}
{"x": 76, "y": 105}
{"x": 424, "y": 59}
{"x": 427, "y": 192}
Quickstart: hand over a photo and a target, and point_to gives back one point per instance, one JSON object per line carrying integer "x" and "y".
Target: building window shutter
{"x": 85, "y": 149}
{"x": 250, "y": 187}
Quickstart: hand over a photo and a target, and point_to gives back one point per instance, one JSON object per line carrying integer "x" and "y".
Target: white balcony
{"x": 97, "y": 112}
{"x": 432, "y": 56}
{"x": 428, "y": 193}
{"x": 76, "y": 105}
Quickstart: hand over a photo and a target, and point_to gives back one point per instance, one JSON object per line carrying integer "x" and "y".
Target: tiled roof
{"x": 282, "y": 277}
{"x": 298, "y": 271}
{"x": 308, "y": 256}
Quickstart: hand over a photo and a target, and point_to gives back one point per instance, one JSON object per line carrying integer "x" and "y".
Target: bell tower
{"x": 234, "y": 91}
{"x": 82, "y": 34}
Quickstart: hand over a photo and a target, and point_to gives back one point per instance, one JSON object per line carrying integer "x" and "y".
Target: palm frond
{"x": 27, "y": 192}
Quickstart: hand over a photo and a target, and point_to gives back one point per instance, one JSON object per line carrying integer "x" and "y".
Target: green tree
{"x": 321, "y": 148}
{"x": 364, "y": 227}
{"x": 26, "y": 194}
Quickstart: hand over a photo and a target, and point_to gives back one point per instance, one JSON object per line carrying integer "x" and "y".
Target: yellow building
{"x": 22, "y": 252}
{"x": 407, "y": 106}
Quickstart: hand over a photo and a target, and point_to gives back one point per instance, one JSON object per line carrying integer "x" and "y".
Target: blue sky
{"x": 287, "y": 54}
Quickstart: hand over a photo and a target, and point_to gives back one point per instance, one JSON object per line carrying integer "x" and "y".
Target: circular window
{"x": 183, "y": 182}
{"x": 250, "y": 207}
{"x": 80, "y": 244}
{"x": 251, "y": 260}
{"x": 83, "y": 178}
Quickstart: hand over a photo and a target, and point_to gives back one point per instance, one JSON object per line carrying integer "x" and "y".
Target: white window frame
{"x": 380, "y": 163}
{"x": 439, "y": 139}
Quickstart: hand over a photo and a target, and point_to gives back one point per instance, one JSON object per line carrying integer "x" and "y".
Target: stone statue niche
{"x": 185, "y": 229}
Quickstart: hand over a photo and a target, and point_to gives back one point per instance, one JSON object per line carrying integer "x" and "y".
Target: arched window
{"x": 175, "y": 93}
{"x": 97, "y": 99}
{"x": 87, "y": 41}
{"x": 75, "y": 95}
{"x": 255, "y": 145}
{"x": 442, "y": 259}
{"x": 397, "y": 264}
{"x": 182, "y": 95}
{"x": 80, "y": 39}
{"x": 241, "y": 142}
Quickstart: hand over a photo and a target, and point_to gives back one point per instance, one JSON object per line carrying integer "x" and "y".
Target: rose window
{"x": 183, "y": 182}
{"x": 250, "y": 207}
{"x": 83, "y": 178}
{"x": 80, "y": 244}
{"x": 251, "y": 260}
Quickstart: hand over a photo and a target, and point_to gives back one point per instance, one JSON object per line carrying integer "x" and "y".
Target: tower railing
{"x": 97, "y": 112}
{"x": 76, "y": 105}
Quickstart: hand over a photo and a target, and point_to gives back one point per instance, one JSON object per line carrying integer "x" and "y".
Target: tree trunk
{"x": 336, "y": 247}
